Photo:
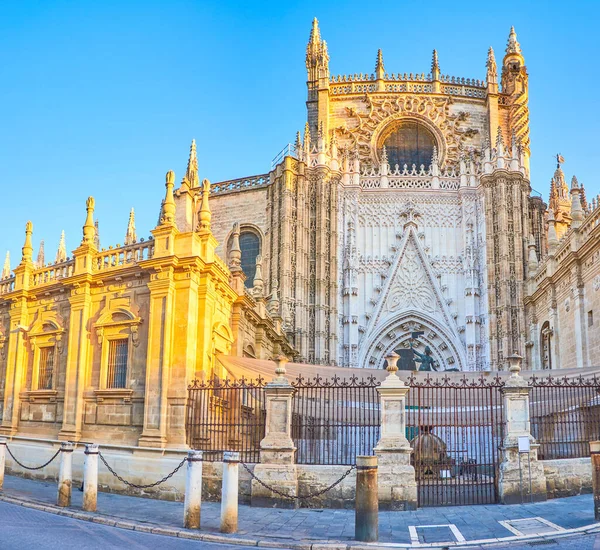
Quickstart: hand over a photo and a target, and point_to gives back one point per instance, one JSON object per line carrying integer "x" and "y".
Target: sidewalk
{"x": 306, "y": 528}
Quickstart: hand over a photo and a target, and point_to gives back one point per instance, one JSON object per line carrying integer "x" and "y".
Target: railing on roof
{"x": 413, "y": 83}
{"x": 124, "y": 255}
{"x": 405, "y": 178}
{"x": 241, "y": 184}
{"x": 288, "y": 151}
{"x": 7, "y": 285}
{"x": 52, "y": 272}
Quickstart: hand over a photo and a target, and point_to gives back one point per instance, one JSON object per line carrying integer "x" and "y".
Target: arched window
{"x": 546, "y": 348}
{"x": 250, "y": 246}
{"x": 409, "y": 143}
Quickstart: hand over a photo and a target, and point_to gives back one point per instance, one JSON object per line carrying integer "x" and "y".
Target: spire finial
{"x": 379, "y": 66}
{"x": 41, "y": 257}
{"x": 513, "y": 46}
{"x": 532, "y": 263}
{"x": 492, "y": 68}
{"x": 235, "y": 254}
{"x": 27, "y": 249}
{"x": 191, "y": 175}
{"x": 317, "y": 58}
{"x": 205, "y": 213}
{"x": 499, "y": 139}
{"x": 435, "y": 66}
{"x": 6, "y": 268}
{"x": 168, "y": 210}
{"x": 131, "y": 236}
{"x": 258, "y": 278}
{"x": 89, "y": 229}
{"x": 61, "y": 253}
{"x": 307, "y": 138}
{"x": 97, "y": 237}
{"x": 315, "y": 33}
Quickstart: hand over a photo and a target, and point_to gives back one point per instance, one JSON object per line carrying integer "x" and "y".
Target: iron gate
{"x": 226, "y": 415}
{"x": 335, "y": 419}
{"x": 455, "y": 428}
{"x": 565, "y": 415}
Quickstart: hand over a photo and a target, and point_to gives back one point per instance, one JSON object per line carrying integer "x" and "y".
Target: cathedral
{"x": 406, "y": 206}
{"x": 403, "y": 216}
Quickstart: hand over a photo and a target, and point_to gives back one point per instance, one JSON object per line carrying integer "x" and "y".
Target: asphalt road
{"x": 22, "y": 528}
{"x": 25, "y": 528}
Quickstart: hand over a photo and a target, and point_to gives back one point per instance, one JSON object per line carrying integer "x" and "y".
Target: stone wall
{"x": 568, "y": 477}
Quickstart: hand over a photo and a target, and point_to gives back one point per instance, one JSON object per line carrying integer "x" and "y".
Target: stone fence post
{"x": 193, "y": 490}
{"x": 514, "y": 473}
{"x": 397, "y": 486}
{"x": 2, "y": 460}
{"x": 277, "y": 466}
{"x": 90, "y": 477}
{"x": 65, "y": 474}
{"x": 595, "y": 457}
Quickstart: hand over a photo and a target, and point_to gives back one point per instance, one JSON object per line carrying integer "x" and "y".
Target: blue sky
{"x": 102, "y": 98}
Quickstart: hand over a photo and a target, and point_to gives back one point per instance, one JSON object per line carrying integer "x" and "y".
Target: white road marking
{"x": 510, "y": 525}
{"x": 414, "y": 536}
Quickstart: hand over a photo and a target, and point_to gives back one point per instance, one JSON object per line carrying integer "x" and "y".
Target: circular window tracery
{"x": 408, "y": 142}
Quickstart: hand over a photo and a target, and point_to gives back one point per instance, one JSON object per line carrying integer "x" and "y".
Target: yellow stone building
{"x": 103, "y": 345}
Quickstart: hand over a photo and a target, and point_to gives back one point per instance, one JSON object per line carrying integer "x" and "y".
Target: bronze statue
{"x": 424, "y": 358}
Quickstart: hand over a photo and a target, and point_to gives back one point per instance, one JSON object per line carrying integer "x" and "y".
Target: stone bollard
{"x": 229, "y": 493}
{"x": 367, "y": 502}
{"x": 2, "y": 460}
{"x": 595, "y": 455}
{"x": 65, "y": 474}
{"x": 90, "y": 477}
{"x": 193, "y": 490}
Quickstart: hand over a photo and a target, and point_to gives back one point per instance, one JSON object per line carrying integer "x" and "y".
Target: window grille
{"x": 250, "y": 247}
{"x": 117, "y": 364}
{"x": 46, "y": 368}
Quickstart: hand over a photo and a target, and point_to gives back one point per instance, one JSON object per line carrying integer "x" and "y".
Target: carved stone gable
{"x": 410, "y": 288}
{"x": 411, "y": 285}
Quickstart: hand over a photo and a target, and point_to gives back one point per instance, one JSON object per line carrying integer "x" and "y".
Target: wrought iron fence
{"x": 335, "y": 419}
{"x": 226, "y": 415}
{"x": 565, "y": 415}
{"x": 455, "y": 428}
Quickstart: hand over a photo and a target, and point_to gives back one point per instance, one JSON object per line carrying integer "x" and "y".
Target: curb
{"x": 156, "y": 529}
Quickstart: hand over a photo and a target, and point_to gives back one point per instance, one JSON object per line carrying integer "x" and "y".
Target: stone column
{"x": 277, "y": 466}
{"x": 397, "y": 483}
{"x": 366, "y": 509}
{"x": 90, "y": 477}
{"x": 65, "y": 474}
{"x": 193, "y": 490}
{"x": 516, "y": 411}
{"x": 229, "y": 493}
{"x": 2, "y": 460}
{"x": 595, "y": 455}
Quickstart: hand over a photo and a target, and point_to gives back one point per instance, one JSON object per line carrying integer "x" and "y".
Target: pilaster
{"x": 277, "y": 466}
{"x": 515, "y": 471}
{"x": 397, "y": 483}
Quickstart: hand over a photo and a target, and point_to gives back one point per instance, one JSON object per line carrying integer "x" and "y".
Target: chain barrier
{"x": 304, "y": 497}
{"x": 31, "y": 467}
{"x": 135, "y": 486}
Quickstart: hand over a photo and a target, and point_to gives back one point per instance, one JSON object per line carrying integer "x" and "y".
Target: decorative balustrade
{"x": 242, "y": 184}
{"x": 410, "y": 83}
{"x": 53, "y": 272}
{"x": 405, "y": 178}
{"x": 7, "y": 285}
{"x": 125, "y": 255}
{"x": 591, "y": 221}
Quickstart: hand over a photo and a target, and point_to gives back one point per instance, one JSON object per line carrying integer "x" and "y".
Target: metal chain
{"x": 304, "y": 497}
{"x": 31, "y": 467}
{"x": 150, "y": 485}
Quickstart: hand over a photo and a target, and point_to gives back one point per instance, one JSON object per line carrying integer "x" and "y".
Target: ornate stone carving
{"x": 366, "y": 126}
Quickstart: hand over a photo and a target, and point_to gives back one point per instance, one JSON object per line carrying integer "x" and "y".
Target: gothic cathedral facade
{"x": 405, "y": 207}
